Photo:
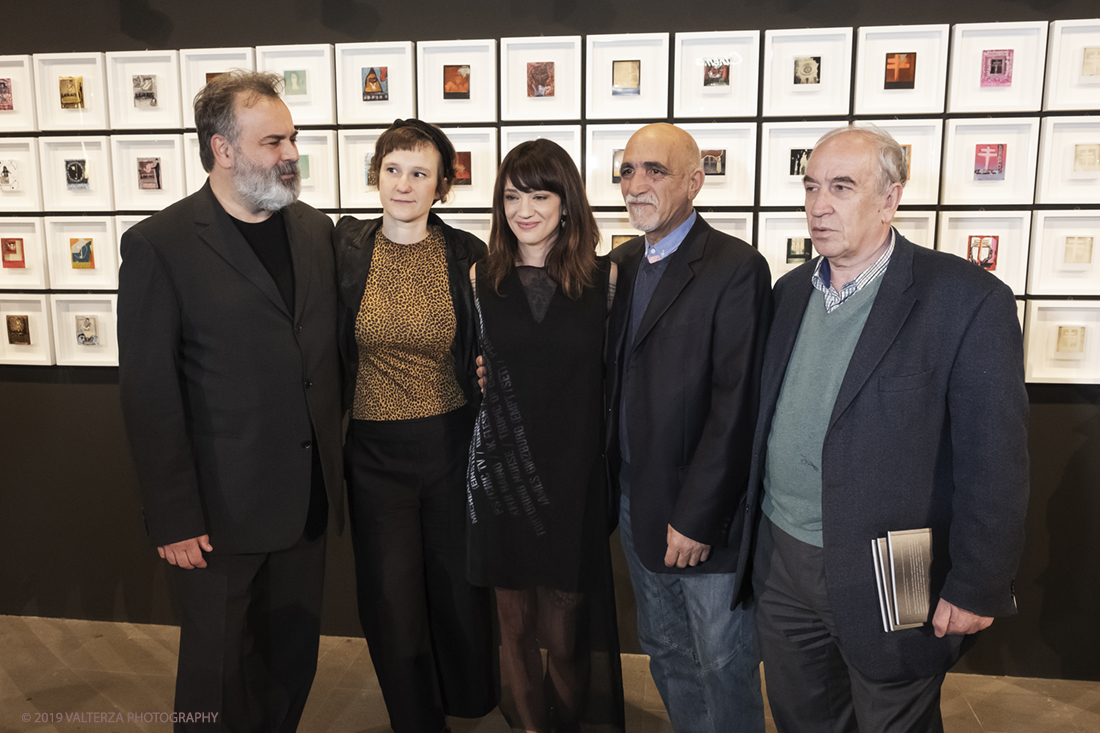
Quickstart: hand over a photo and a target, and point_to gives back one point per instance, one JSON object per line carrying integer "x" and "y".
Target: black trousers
{"x": 811, "y": 688}
{"x": 249, "y": 631}
{"x": 428, "y": 630}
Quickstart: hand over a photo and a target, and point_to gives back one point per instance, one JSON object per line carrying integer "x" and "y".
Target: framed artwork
{"x": 997, "y": 67}
{"x": 375, "y": 83}
{"x": 1073, "y": 65}
{"x": 71, "y": 91}
{"x": 990, "y": 161}
{"x": 20, "y": 174}
{"x": 23, "y": 254}
{"x": 627, "y": 76}
{"x": 603, "y": 155}
{"x": 1069, "y": 160}
{"x": 568, "y": 136}
{"x": 200, "y": 65}
{"x": 615, "y": 229}
{"x": 85, "y": 329}
{"x": 309, "y": 88}
{"x": 358, "y": 189}
{"x": 734, "y": 223}
{"x": 540, "y": 78}
{"x": 784, "y": 240}
{"x": 82, "y": 252}
{"x": 717, "y": 74}
{"x": 996, "y": 241}
{"x": 17, "y": 107}
{"x": 1065, "y": 253}
{"x": 901, "y": 70}
{"x": 144, "y": 90}
{"x": 919, "y": 227}
{"x": 148, "y": 171}
{"x": 477, "y": 224}
{"x": 785, "y": 149}
{"x": 809, "y": 68}
{"x": 457, "y": 81}
{"x": 76, "y": 173}
{"x": 1062, "y": 341}
{"x": 318, "y": 167}
{"x": 922, "y": 141}
{"x": 194, "y": 175}
{"x": 122, "y": 223}
{"x": 27, "y": 329}
{"x": 729, "y": 162}
{"x": 475, "y": 167}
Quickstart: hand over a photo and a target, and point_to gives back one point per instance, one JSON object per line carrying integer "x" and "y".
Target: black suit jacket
{"x": 929, "y": 429}
{"x": 223, "y": 389}
{"x": 690, "y": 382}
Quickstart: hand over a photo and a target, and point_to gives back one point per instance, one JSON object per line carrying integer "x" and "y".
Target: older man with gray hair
{"x": 892, "y": 399}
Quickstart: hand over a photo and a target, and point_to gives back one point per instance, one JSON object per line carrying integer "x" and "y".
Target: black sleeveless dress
{"x": 536, "y": 488}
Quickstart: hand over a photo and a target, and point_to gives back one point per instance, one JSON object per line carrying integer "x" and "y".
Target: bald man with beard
{"x": 685, "y": 346}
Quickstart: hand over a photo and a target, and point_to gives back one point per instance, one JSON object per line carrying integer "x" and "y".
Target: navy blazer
{"x": 929, "y": 429}
{"x": 690, "y": 382}
{"x": 225, "y": 391}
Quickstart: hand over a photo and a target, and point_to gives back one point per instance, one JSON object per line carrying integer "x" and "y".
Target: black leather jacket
{"x": 354, "y": 245}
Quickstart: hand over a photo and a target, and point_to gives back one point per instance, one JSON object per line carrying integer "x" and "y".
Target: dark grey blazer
{"x": 929, "y": 430}
{"x": 222, "y": 387}
{"x": 690, "y": 382}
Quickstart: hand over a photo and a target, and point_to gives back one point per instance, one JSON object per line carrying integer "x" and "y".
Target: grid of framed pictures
{"x": 999, "y": 122}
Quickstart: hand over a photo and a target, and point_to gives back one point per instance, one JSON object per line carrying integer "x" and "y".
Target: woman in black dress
{"x": 538, "y": 509}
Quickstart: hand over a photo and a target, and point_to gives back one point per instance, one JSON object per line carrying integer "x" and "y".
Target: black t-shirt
{"x": 269, "y": 240}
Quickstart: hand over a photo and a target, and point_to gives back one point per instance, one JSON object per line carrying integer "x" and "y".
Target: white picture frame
{"x": 311, "y": 101}
{"x": 830, "y": 95}
{"x": 23, "y": 116}
{"x": 1067, "y": 85}
{"x": 779, "y": 142}
{"x": 49, "y": 69}
{"x": 969, "y": 90}
{"x": 600, "y": 145}
{"x": 729, "y": 181}
{"x": 61, "y": 231}
{"x": 400, "y": 103}
{"x": 39, "y": 352}
{"x": 1013, "y": 232}
{"x": 612, "y": 225}
{"x": 567, "y": 136}
{"x": 123, "y": 222}
{"x": 515, "y": 55}
{"x": 322, "y": 189}
{"x": 131, "y": 191}
{"x": 194, "y": 175}
{"x": 644, "y": 95}
{"x": 925, "y": 138}
{"x": 1059, "y": 180}
{"x": 1065, "y": 253}
{"x": 196, "y": 63}
{"x": 698, "y": 89}
{"x": 434, "y": 59}
{"x": 65, "y": 308}
{"x": 55, "y": 154}
{"x": 925, "y": 93}
{"x": 918, "y": 226}
{"x": 28, "y": 196}
{"x": 775, "y": 229}
{"x": 481, "y": 144}
{"x": 353, "y": 147}
{"x": 1043, "y": 363}
{"x": 734, "y": 223}
{"x": 143, "y": 104}
{"x": 476, "y": 223}
{"x": 964, "y": 136}
{"x": 33, "y": 272}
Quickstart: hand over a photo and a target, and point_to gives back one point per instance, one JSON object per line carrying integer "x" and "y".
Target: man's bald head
{"x": 661, "y": 174}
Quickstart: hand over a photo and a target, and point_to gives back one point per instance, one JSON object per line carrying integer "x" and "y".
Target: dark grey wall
{"x": 71, "y": 539}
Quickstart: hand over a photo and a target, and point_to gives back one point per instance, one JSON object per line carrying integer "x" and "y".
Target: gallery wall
{"x": 72, "y": 543}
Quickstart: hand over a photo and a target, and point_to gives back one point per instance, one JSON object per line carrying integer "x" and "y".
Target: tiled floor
{"x": 69, "y": 671}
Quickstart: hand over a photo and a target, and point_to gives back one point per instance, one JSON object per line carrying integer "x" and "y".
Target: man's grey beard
{"x": 264, "y": 188}
{"x": 649, "y": 223}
